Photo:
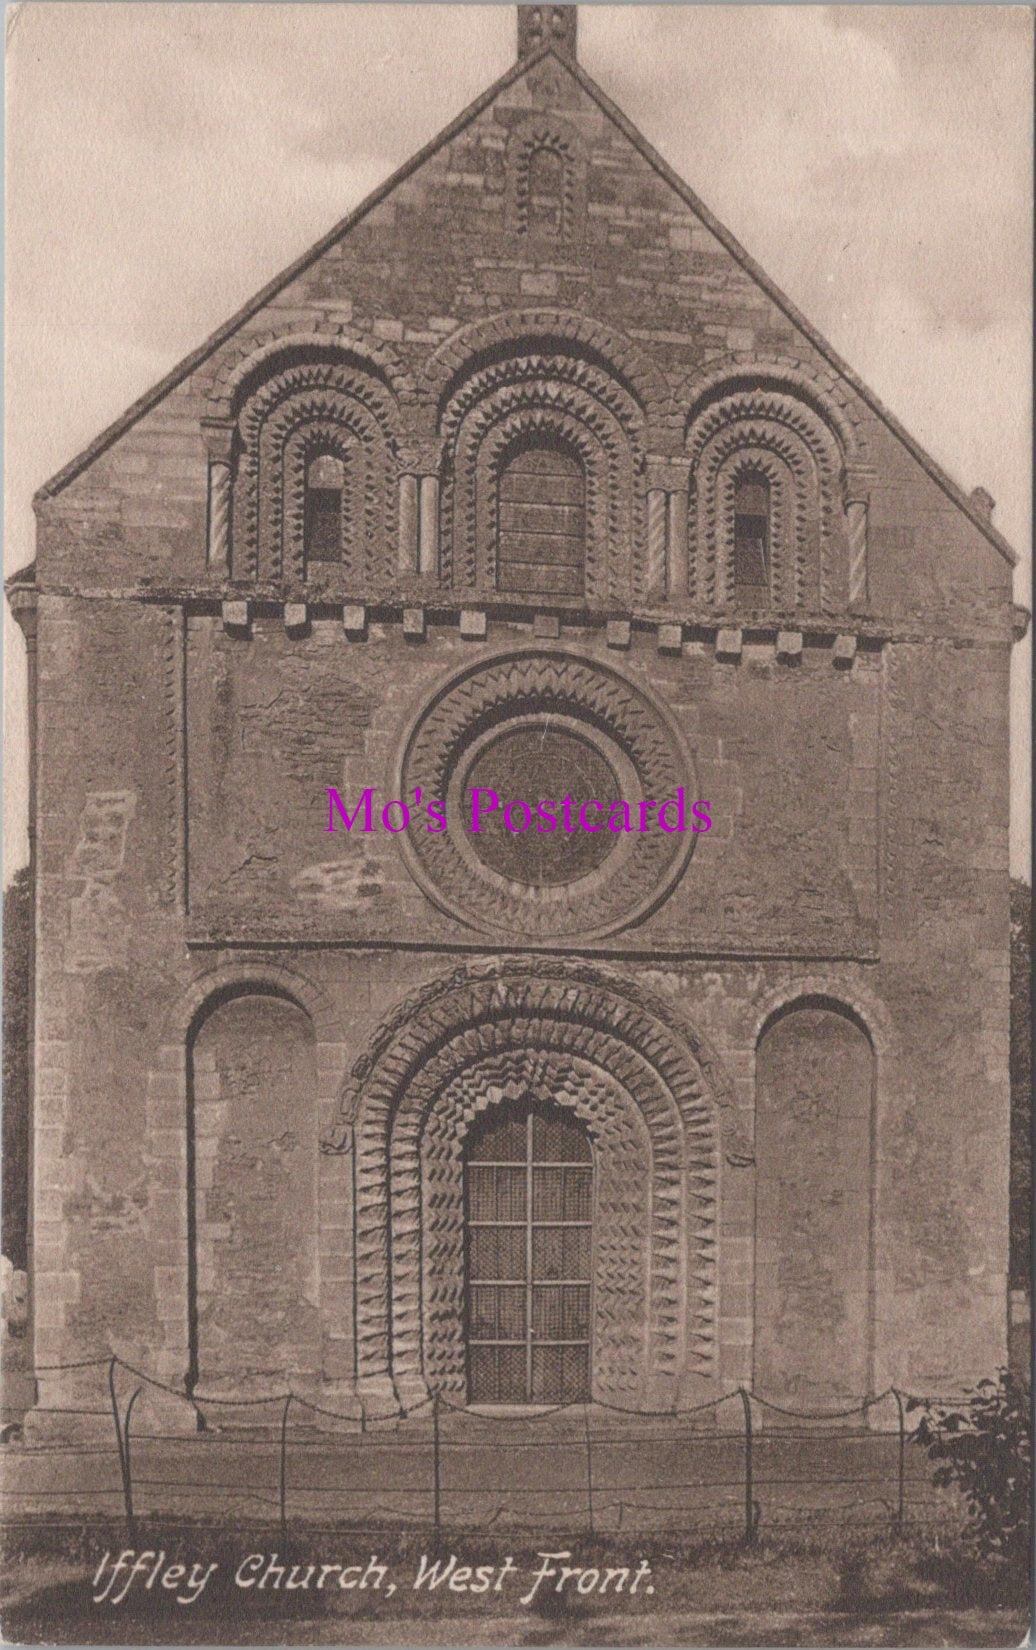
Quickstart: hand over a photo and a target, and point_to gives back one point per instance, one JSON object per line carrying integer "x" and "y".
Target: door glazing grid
{"x": 529, "y": 1228}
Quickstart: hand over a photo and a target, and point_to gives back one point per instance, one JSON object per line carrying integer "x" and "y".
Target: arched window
{"x": 546, "y": 187}
{"x": 529, "y": 1227}
{"x": 251, "y": 1191}
{"x": 813, "y": 1121}
{"x": 325, "y": 491}
{"x": 752, "y": 539}
{"x": 541, "y": 521}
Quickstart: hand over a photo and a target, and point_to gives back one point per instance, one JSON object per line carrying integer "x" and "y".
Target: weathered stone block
{"x": 473, "y": 624}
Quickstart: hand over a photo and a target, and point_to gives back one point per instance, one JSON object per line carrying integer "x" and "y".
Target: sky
{"x": 164, "y": 161}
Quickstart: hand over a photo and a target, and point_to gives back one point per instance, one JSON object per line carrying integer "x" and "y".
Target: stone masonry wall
{"x": 858, "y": 786}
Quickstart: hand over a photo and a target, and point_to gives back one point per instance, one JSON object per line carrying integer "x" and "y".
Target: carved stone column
{"x": 857, "y": 503}
{"x": 428, "y": 529}
{"x": 655, "y": 579}
{"x": 219, "y": 438}
{"x": 407, "y": 562}
{"x": 667, "y": 483}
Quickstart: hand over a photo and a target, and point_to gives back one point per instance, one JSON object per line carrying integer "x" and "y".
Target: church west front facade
{"x": 524, "y": 481}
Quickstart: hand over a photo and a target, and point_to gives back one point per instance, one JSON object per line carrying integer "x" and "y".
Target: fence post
{"x": 749, "y": 1496}
{"x": 436, "y": 1486}
{"x": 589, "y": 1467}
{"x": 901, "y": 1498}
{"x": 284, "y": 1469}
{"x": 115, "y": 1417}
{"x": 127, "y": 1480}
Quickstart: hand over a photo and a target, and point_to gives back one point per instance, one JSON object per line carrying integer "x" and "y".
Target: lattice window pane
{"x": 561, "y": 1312}
{"x": 497, "y": 1374}
{"x": 512, "y": 1374}
{"x": 561, "y": 1252}
{"x": 558, "y": 1138}
{"x": 575, "y": 1374}
{"x": 561, "y": 1194}
{"x": 496, "y": 1193}
{"x": 498, "y": 1312}
{"x": 500, "y": 1140}
{"x": 548, "y": 1375}
{"x": 481, "y": 1192}
{"x": 497, "y": 1252}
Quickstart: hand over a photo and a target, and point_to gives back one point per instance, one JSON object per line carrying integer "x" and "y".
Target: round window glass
{"x": 533, "y": 765}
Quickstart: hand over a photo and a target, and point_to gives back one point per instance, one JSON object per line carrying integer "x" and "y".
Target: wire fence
{"x": 729, "y": 1466}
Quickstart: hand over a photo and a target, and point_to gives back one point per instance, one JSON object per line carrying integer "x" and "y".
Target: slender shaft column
{"x": 676, "y": 540}
{"x": 408, "y": 486}
{"x": 656, "y": 541}
{"x": 219, "y": 437}
{"x": 857, "y": 501}
{"x": 428, "y": 533}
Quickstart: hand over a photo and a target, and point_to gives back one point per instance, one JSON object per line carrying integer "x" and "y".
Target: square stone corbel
{"x": 236, "y": 618}
{"x": 473, "y": 624}
{"x": 354, "y": 621}
{"x": 728, "y": 644}
{"x": 619, "y": 633}
{"x": 413, "y": 624}
{"x": 844, "y": 652}
{"x": 789, "y": 646}
{"x": 546, "y": 626}
{"x": 296, "y": 617}
{"x": 670, "y": 638}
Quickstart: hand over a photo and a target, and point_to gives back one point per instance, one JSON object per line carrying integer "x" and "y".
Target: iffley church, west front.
{"x": 524, "y": 477}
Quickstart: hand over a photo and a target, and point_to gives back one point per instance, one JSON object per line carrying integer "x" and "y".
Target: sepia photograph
{"x": 438, "y": 436}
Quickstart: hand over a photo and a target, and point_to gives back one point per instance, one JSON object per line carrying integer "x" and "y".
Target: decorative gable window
{"x": 752, "y": 539}
{"x": 546, "y": 192}
{"x": 767, "y": 531}
{"x": 541, "y": 521}
{"x": 325, "y": 495}
{"x": 315, "y": 481}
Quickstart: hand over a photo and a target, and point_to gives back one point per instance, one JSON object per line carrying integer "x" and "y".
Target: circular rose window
{"x": 551, "y": 756}
{"x": 538, "y": 767}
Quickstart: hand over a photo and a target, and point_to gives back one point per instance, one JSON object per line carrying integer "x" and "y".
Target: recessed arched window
{"x": 546, "y": 185}
{"x": 541, "y": 521}
{"x": 325, "y": 491}
{"x": 752, "y": 538}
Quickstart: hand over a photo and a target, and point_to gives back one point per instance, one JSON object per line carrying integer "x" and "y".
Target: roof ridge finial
{"x": 547, "y": 25}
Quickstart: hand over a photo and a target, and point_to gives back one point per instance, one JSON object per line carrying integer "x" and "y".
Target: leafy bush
{"x": 984, "y": 1447}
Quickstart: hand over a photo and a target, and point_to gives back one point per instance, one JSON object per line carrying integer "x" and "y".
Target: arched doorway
{"x": 528, "y": 1211}
{"x": 605, "y": 1053}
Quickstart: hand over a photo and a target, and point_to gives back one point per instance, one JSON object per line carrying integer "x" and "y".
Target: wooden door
{"x": 529, "y": 1246}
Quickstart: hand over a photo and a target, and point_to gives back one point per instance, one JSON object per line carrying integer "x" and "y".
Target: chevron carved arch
{"x": 547, "y": 331}
{"x": 818, "y": 390}
{"x": 268, "y": 502}
{"x": 630, "y": 1068}
{"x": 801, "y": 455}
{"x": 543, "y": 397}
{"x": 254, "y": 359}
{"x": 538, "y": 133}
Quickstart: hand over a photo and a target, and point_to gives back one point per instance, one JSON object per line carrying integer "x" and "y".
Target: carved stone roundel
{"x": 534, "y": 726}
